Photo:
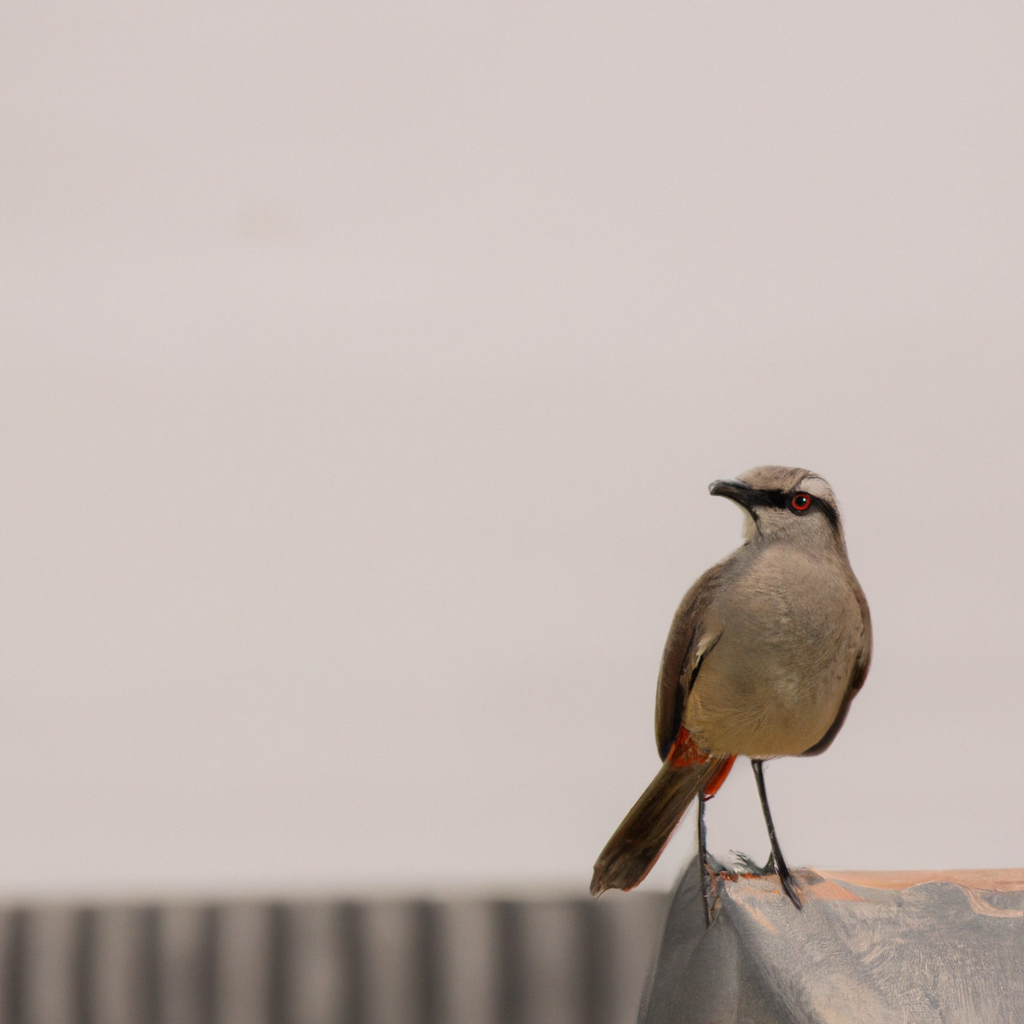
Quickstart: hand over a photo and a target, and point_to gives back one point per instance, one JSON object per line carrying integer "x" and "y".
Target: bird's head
{"x": 784, "y": 504}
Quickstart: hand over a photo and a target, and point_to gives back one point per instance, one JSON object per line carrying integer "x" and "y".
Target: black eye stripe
{"x": 783, "y": 500}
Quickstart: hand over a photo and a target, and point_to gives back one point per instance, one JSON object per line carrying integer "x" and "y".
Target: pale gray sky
{"x": 363, "y": 371}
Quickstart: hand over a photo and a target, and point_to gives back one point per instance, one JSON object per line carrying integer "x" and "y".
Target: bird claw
{"x": 789, "y": 887}
{"x": 710, "y": 870}
{"x": 750, "y": 867}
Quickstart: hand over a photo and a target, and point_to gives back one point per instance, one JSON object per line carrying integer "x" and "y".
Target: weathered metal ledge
{"x": 868, "y": 947}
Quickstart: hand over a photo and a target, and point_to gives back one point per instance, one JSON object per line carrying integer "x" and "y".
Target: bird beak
{"x": 743, "y": 494}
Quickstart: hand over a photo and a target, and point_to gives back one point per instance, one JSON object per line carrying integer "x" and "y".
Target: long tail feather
{"x": 637, "y": 843}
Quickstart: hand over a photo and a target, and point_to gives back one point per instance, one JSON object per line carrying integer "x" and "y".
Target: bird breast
{"x": 789, "y": 629}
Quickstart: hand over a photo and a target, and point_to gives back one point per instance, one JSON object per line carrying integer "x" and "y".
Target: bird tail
{"x": 637, "y": 843}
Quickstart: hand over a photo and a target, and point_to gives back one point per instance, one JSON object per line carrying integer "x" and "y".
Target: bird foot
{"x": 710, "y": 872}
{"x": 789, "y": 886}
{"x": 748, "y": 866}
{"x": 716, "y": 867}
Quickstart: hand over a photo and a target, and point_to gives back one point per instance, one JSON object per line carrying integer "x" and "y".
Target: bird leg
{"x": 702, "y": 857}
{"x": 780, "y": 862}
{"x": 707, "y": 791}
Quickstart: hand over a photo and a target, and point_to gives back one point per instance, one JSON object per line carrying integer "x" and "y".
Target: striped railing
{"x": 555, "y": 961}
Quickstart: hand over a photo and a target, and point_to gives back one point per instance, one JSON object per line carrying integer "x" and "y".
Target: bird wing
{"x": 861, "y": 664}
{"x": 688, "y": 642}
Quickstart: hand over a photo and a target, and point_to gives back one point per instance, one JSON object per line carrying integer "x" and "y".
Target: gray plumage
{"x": 764, "y": 655}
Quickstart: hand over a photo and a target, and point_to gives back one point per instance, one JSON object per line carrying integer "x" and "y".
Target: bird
{"x": 765, "y": 653}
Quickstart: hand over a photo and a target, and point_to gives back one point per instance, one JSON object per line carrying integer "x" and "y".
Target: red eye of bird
{"x": 801, "y": 502}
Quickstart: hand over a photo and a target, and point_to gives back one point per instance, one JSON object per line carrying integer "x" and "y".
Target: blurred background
{"x": 363, "y": 369}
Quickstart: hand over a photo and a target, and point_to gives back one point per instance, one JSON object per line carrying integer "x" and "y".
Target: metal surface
{"x": 870, "y": 948}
